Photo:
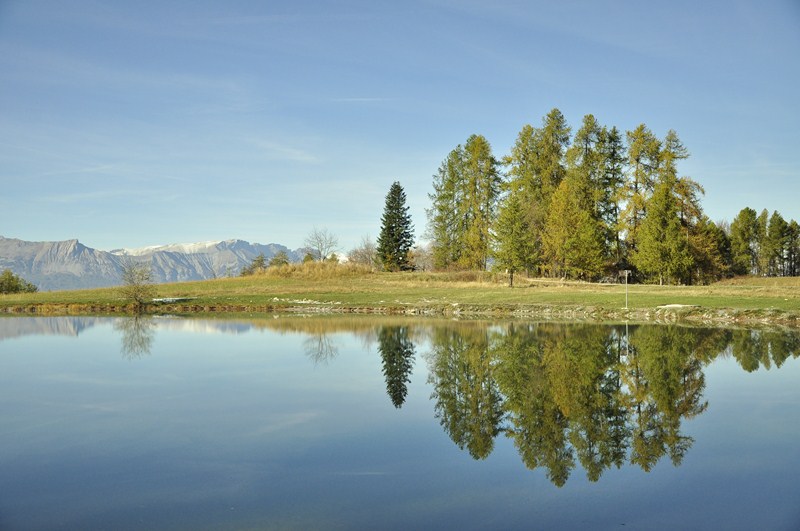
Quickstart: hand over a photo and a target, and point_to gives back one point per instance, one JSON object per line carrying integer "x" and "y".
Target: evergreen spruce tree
{"x": 614, "y": 157}
{"x": 396, "y": 237}
{"x": 397, "y": 354}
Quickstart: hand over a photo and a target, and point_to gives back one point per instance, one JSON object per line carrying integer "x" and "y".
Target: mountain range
{"x": 69, "y": 264}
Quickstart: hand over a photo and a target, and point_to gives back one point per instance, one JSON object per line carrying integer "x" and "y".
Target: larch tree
{"x": 710, "y": 248}
{"x": 643, "y": 161}
{"x": 514, "y": 249}
{"x": 662, "y": 251}
{"x": 525, "y": 184}
{"x": 585, "y": 164}
{"x": 464, "y": 203}
{"x": 573, "y": 238}
{"x": 775, "y": 245}
{"x": 793, "y": 249}
{"x": 445, "y": 222}
{"x": 743, "y": 242}
{"x": 552, "y": 145}
{"x": 663, "y": 240}
{"x": 481, "y": 194}
{"x": 596, "y": 190}
{"x": 535, "y": 168}
{"x": 762, "y": 246}
{"x": 397, "y": 233}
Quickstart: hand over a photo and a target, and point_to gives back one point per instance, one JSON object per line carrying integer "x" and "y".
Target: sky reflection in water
{"x": 390, "y": 423}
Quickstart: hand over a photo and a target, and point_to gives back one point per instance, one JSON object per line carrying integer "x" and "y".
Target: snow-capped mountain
{"x": 71, "y": 265}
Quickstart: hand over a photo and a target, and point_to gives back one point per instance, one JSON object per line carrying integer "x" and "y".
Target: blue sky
{"x": 126, "y": 124}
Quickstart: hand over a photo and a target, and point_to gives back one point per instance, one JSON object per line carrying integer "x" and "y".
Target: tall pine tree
{"x": 396, "y": 237}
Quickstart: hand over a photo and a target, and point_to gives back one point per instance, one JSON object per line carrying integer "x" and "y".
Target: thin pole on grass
{"x": 627, "y": 272}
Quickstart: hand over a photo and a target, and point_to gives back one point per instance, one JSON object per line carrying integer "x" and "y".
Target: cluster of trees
{"x": 582, "y": 207}
{"x": 764, "y": 245}
{"x": 260, "y": 264}
{"x": 11, "y": 283}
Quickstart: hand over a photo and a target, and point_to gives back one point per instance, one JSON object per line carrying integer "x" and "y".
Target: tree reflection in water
{"x": 397, "y": 354}
{"x": 566, "y": 394}
{"x": 320, "y": 348}
{"x": 601, "y": 396}
{"x": 138, "y": 332}
{"x": 468, "y": 402}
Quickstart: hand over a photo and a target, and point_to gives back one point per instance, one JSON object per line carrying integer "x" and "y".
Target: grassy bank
{"x": 329, "y": 288}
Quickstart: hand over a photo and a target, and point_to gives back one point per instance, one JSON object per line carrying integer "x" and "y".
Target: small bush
{"x": 11, "y": 283}
{"x": 458, "y": 276}
{"x": 318, "y": 270}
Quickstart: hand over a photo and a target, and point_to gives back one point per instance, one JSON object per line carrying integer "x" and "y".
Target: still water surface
{"x": 321, "y": 423}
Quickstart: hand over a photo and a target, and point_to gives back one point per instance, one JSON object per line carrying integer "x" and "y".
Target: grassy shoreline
{"x": 340, "y": 289}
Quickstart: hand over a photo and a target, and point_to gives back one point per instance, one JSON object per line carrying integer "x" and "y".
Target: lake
{"x": 317, "y": 422}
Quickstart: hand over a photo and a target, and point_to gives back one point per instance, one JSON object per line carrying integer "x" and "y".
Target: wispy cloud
{"x": 361, "y": 100}
{"x": 276, "y": 151}
{"x": 91, "y": 170}
{"x": 89, "y": 196}
{"x": 50, "y": 67}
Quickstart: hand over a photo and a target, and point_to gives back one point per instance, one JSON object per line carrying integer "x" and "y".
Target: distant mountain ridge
{"x": 71, "y": 265}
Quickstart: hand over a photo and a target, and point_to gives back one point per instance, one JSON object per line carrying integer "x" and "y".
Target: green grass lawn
{"x": 345, "y": 288}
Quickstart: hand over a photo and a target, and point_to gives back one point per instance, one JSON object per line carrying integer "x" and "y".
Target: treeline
{"x": 590, "y": 205}
{"x": 764, "y": 245}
